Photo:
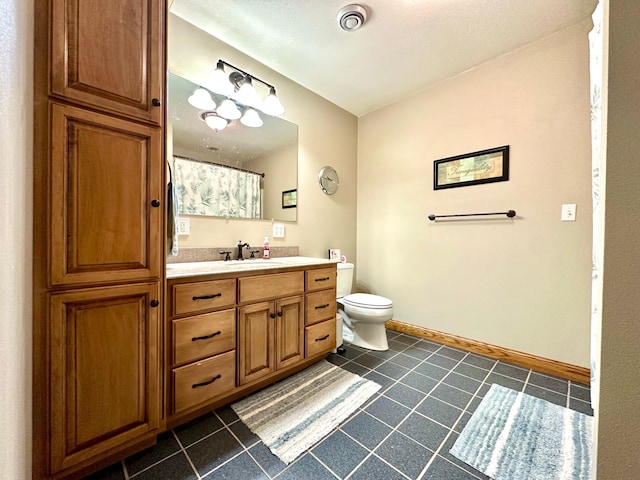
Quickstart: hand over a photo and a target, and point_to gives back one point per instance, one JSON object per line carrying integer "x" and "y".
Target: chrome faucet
{"x": 240, "y": 246}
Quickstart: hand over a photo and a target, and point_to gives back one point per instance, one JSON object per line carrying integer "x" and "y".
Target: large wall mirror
{"x": 255, "y": 167}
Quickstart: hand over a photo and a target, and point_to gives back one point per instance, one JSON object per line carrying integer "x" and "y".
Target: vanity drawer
{"x": 202, "y": 381}
{"x": 321, "y": 279}
{"x": 320, "y": 338}
{"x": 320, "y": 306}
{"x": 263, "y": 287}
{"x": 201, "y": 296}
{"x": 203, "y": 336}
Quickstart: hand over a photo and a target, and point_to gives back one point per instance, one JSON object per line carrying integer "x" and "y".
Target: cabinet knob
{"x": 154, "y": 303}
{"x": 156, "y": 102}
{"x": 272, "y": 315}
{"x": 279, "y": 314}
{"x": 155, "y": 203}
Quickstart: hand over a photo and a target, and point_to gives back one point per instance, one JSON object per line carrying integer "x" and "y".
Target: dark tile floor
{"x": 405, "y": 431}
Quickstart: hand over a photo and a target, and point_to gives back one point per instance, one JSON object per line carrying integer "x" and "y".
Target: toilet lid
{"x": 367, "y": 300}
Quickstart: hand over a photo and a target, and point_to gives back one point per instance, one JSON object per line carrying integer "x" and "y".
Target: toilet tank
{"x": 345, "y": 279}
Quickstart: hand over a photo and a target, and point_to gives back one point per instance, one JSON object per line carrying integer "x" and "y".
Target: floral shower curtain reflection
{"x": 214, "y": 190}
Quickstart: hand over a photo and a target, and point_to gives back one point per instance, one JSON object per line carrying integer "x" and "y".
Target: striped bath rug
{"x": 514, "y": 436}
{"x": 292, "y": 415}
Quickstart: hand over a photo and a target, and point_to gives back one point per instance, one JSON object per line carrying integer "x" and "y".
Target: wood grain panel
{"x": 526, "y": 360}
{"x": 105, "y": 174}
{"x": 265, "y": 287}
{"x": 320, "y": 306}
{"x": 109, "y": 55}
{"x": 201, "y": 296}
{"x": 255, "y": 341}
{"x": 198, "y": 337}
{"x": 320, "y": 338}
{"x": 320, "y": 279}
{"x": 203, "y": 381}
{"x": 289, "y": 340}
{"x": 104, "y": 370}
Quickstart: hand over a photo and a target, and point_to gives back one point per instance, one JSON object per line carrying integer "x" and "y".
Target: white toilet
{"x": 363, "y": 314}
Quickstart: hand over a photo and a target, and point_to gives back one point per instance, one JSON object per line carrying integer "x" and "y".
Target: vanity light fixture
{"x": 242, "y": 99}
{"x": 214, "y": 121}
{"x": 202, "y": 100}
{"x": 251, "y": 118}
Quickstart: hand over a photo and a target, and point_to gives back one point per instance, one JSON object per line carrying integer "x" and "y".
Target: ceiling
{"x": 404, "y": 47}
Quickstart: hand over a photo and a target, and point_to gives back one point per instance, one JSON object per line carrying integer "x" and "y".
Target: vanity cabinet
{"x": 252, "y": 328}
{"x": 98, "y": 239}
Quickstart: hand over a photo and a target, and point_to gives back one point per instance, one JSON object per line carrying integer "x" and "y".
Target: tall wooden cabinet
{"x": 98, "y": 232}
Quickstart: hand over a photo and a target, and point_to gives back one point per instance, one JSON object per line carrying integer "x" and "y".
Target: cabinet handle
{"x": 322, "y": 279}
{"x": 206, "y": 297}
{"x": 279, "y": 314}
{"x": 155, "y": 203}
{"x": 154, "y": 303}
{"x": 203, "y": 384}
{"x": 272, "y": 315}
{"x": 206, "y": 336}
{"x": 322, "y": 306}
{"x": 322, "y": 338}
{"x": 156, "y": 102}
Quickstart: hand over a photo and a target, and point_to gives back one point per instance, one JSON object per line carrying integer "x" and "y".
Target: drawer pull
{"x": 322, "y": 306}
{"x": 207, "y": 297}
{"x": 322, "y": 279}
{"x": 206, "y": 336}
{"x": 323, "y": 338}
{"x": 203, "y": 384}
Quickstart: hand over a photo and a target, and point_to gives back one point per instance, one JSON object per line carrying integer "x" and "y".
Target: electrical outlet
{"x": 278, "y": 230}
{"x": 183, "y": 226}
{"x": 568, "y": 212}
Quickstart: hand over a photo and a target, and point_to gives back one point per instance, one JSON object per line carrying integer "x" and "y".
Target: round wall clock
{"x": 328, "y": 179}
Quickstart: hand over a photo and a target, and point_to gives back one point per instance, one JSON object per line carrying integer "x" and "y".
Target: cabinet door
{"x": 105, "y": 371}
{"x": 289, "y": 332}
{"x": 106, "y": 187}
{"x": 255, "y": 341}
{"x": 109, "y": 54}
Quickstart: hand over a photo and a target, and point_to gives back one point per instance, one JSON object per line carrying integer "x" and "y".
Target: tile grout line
{"x": 184, "y": 450}
{"x": 451, "y": 430}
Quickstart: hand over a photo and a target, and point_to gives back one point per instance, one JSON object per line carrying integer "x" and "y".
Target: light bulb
{"x": 219, "y": 82}
{"x": 229, "y": 110}
{"x": 271, "y": 104}
{"x": 214, "y": 121}
{"x": 201, "y": 99}
{"x": 251, "y": 118}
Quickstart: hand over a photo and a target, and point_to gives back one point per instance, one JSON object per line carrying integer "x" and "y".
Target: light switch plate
{"x": 183, "y": 226}
{"x": 278, "y": 230}
{"x": 568, "y": 212}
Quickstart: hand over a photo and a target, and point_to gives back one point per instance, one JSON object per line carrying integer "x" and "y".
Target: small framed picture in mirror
{"x": 290, "y": 198}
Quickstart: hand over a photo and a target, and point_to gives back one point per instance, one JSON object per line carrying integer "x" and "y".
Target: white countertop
{"x": 189, "y": 269}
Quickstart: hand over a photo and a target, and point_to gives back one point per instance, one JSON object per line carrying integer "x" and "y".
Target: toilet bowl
{"x": 363, "y": 314}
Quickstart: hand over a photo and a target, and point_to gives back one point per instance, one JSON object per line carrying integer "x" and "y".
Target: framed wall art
{"x": 290, "y": 198}
{"x": 485, "y": 166}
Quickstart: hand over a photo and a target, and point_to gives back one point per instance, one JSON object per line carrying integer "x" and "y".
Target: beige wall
{"x": 617, "y": 419}
{"x": 327, "y": 135}
{"x": 523, "y": 283}
{"x": 16, "y": 172}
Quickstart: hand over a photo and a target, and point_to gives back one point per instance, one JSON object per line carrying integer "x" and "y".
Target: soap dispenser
{"x": 265, "y": 249}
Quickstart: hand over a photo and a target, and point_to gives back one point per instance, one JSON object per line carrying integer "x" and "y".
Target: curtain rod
{"x": 218, "y": 164}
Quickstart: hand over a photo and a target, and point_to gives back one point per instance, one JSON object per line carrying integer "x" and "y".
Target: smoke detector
{"x": 352, "y": 17}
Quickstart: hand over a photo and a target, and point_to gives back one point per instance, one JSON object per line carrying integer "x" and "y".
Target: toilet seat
{"x": 367, "y": 300}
